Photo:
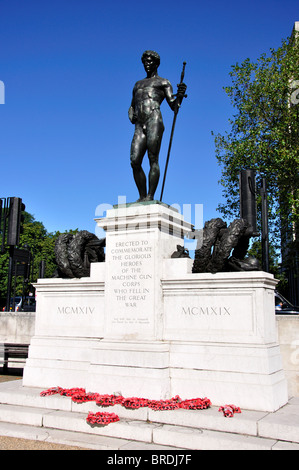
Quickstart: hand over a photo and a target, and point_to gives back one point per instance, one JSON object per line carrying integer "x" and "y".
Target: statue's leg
{"x": 155, "y": 131}
{"x": 138, "y": 149}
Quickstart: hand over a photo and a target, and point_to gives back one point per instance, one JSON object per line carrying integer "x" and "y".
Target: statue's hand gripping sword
{"x": 179, "y": 99}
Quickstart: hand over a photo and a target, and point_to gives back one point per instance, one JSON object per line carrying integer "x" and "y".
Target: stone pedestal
{"x": 133, "y": 357}
{"x": 144, "y": 325}
{"x": 138, "y": 239}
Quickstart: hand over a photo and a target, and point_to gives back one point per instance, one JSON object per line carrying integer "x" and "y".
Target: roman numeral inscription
{"x": 75, "y": 310}
{"x": 199, "y": 317}
{"x": 207, "y": 311}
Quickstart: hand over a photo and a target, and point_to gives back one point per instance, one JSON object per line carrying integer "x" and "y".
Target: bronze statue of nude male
{"x": 145, "y": 113}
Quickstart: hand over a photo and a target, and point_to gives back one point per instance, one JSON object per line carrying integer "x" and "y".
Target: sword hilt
{"x": 182, "y": 81}
{"x": 183, "y": 72}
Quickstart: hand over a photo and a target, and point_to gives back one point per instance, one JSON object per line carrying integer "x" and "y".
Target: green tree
{"x": 41, "y": 244}
{"x": 264, "y": 136}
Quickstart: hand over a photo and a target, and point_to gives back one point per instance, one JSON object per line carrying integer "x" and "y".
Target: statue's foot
{"x": 148, "y": 198}
{"x": 141, "y": 199}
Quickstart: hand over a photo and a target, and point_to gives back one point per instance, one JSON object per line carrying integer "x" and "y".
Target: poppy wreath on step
{"x": 134, "y": 403}
{"x": 102, "y": 418}
{"x": 196, "y": 404}
{"x": 109, "y": 400}
{"x": 79, "y": 395}
{"x": 160, "y": 405}
{"x": 229, "y": 410}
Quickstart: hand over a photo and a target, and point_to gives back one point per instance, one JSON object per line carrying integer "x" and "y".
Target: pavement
{"x": 12, "y": 443}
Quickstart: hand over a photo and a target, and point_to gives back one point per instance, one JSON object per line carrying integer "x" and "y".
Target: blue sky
{"x": 69, "y": 67}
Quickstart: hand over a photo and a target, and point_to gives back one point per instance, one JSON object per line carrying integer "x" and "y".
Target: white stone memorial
{"x": 144, "y": 325}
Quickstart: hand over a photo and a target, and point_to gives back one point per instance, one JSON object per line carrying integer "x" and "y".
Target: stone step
{"x": 76, "y": 439}
{"x": 125, "y": 430}
{"x": 128, "y": 430}
{"x": 184, "y": 429}
{"x": 244, "y": 423}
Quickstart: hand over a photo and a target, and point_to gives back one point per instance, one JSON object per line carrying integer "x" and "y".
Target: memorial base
{"x": 131, "y": 369}
{"x": 143, "y": 325}
{"x": 230, "y": 374}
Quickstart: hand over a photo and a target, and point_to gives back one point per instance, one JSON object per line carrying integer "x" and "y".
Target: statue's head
{"x": 154, "y": 56}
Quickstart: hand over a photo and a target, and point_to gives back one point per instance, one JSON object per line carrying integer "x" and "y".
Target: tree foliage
{"x": 264, "y": 135}
{"x": 41, "y": 244}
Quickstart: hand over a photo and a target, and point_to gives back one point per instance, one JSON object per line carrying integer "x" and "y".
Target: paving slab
{"x": 211, "y": 418}
{"x": 280, "y": 445}
{"x": 52, "y": 439}
{"x": 281, "y": 425}
{"x": 197, "y": 439}
{"x": 125, "y": 429}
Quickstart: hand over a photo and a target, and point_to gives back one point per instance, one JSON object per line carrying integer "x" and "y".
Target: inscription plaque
{"x": 71, "y": 313}
{"x": 203, "y": 315}
{"x": 131, "y": 286}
